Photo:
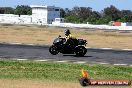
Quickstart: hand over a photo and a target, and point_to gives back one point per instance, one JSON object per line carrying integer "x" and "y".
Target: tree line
{"x": 19, "y": 10}
{"x": 86, "y": 14}
{"x": 79, "y": 14}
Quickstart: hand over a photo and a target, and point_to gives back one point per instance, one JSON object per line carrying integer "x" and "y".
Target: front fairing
{"x": 56, "y": 41}
{"x": 59, "y": 40}
{"x": 82, "y": 42}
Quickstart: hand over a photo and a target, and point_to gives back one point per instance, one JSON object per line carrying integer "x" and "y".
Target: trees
{"x": 86, "y": 14}
{"x": 92, "y": 19}
{"x": 78, "y": 14}
{"x": 9, "y": 10}
{"x": 104, "y": 20}
{"x": 20, "y": 9}
{"x": 73, "y": 19}
{"x": 81, "y": 12}
{"x": 113, "y": 12}
{"x": 6, "y": 10}
{"x": 62, "y": 13}
{"x": 126, "y": 16}
{"x": 23, "y": 10}
{"x": 2, "y": 10}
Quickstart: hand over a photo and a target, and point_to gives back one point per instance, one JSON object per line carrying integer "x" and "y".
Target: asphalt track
{"x": 31, "y": 52}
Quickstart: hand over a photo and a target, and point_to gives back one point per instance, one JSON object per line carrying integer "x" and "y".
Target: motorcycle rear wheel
{"x": 80, "y": 51}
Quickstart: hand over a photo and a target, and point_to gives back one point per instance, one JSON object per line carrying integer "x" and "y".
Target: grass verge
{"x": 32, "y": 70}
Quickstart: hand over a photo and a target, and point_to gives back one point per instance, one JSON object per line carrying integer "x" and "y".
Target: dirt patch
{"x": 45, "y": 35}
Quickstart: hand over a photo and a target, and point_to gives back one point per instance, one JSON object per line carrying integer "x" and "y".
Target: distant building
{"x": 44, "y": 14}
{"x": 59, "y": 20}
{"x": 40, "y": 15}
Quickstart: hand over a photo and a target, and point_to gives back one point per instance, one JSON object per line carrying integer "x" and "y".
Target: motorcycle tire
{"x": 53, "y": 50}
{"x": 80, "y": 51}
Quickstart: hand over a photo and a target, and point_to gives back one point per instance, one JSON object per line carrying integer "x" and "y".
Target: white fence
{"x": 15, "y": 19}
{"x": 107, "y": 27}
{"x": 25, "y": 19}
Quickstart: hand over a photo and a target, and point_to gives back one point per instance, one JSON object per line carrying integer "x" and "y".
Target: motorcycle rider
{"x": 68, "y": 34}
{"x": 70, "y": 39}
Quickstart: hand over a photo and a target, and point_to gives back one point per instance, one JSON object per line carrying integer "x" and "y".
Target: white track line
{"x": 106, "y": 48}
{"x": 30, "y": 44}
{"x": 61, "y": 61}
{"x": 127, "y": 49}
{"x": 121, "y": 64}
{"x": 22, "y": 59}
{"x": 110, "y": 49}
{"x": 16, "y": 43}
{"x": 41, "y": 60}
{"x": 104, "y": 63}
{"x": 80, "y": 62}
{"x": 130, "y": 65}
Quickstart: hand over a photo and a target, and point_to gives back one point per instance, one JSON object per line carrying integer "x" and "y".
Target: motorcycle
{"x": 76, "y": 46}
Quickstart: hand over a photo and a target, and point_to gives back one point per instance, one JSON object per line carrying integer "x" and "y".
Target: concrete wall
{"x": 15, "y": 19}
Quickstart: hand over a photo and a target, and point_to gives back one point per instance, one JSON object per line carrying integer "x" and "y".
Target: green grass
{"x": 60, "y": 71}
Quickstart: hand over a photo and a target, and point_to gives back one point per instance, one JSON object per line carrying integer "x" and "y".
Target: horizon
{"x": 96, "y": 5}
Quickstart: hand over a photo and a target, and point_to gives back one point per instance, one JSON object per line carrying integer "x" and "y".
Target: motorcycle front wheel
{"x": 53, "y": 50}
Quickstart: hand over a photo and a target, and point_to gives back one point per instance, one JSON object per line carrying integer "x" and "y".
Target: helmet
{"x": 67, "y": 32}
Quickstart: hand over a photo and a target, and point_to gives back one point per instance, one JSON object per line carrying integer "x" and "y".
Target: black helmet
{"x": 67, "y": 32}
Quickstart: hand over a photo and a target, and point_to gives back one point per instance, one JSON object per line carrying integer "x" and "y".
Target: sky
{"x": 97, "y": 5}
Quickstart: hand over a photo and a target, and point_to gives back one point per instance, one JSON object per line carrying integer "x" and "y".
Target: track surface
{"x": 41, "y": 52}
